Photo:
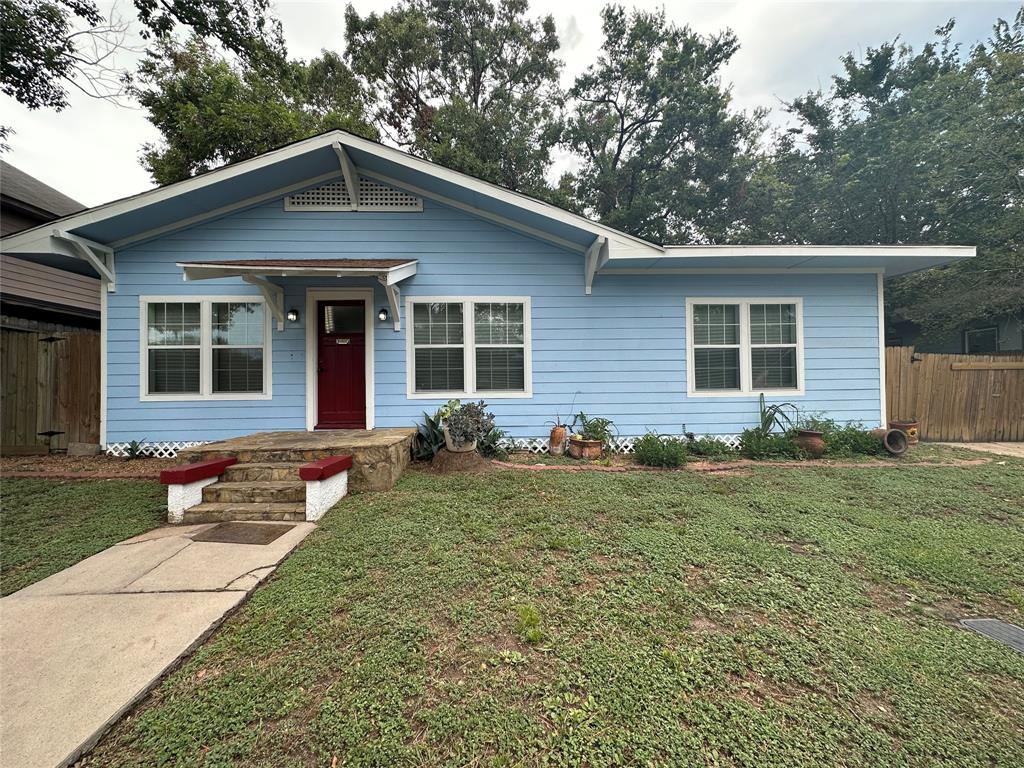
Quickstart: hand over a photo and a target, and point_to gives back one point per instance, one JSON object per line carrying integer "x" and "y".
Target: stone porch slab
{"x": 379, "y": 456}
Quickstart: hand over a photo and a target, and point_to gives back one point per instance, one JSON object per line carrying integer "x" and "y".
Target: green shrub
{"x": 707, "y": 447}
{"x": 852, "y": 440}
{"x": 653, "y": 450}
{"x": 756, "y": 444}
{"x": 490, "y": 445}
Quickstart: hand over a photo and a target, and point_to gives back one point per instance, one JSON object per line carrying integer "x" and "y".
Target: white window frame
{"x": 469, "y": 348}
{"x": 746, "y": 385}
{"x": 205, "y": 349}
{"x": 985, "y": 329}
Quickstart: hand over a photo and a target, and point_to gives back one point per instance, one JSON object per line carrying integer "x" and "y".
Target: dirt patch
{"x": 62, "y": 467}
{"x": 447, "y": 462}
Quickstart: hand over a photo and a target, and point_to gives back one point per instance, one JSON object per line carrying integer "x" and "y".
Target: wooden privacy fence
{"x": 960, "y": 398}
{"x": 51, "y": 383}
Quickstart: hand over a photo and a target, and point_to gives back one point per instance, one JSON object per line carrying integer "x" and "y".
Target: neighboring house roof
{"x": 26, "y": 202}
{"x": 30, "y": 197}
{"x": 339, "y": 155}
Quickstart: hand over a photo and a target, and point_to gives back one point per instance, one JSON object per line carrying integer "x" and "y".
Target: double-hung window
{"x": 204, "y": 348}
{"x": 744, "y": 346}
{"x": 469, "y": 346}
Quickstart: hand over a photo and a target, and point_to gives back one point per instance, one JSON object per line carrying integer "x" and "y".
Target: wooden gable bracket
{"x": 594, "y": 259}
{"x": 394, "y": 299}
{"x": 273, "y": 294}
{"x": 348, "y": 170}
{"x": 100, "y": 256}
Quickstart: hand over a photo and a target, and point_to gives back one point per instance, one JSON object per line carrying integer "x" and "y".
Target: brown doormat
{"x": 243, "y": 533}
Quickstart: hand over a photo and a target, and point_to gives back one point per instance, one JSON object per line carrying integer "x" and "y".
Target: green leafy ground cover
{"x": 48, "y": 525}
{"x": 774, "y": 617}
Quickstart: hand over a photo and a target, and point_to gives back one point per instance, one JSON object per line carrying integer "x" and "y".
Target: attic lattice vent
{"x": 373, "y": 196}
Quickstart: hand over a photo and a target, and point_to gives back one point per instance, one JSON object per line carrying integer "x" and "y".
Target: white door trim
{"x": 313, "y": 295}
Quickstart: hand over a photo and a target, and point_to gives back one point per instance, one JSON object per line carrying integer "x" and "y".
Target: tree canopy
{"x": 472, "y": 85}
{"x": 662, "y": 154}
{"x": 211, "y": 112}
{"x": 48, "y": 45}
{"x": 912, "y": 148}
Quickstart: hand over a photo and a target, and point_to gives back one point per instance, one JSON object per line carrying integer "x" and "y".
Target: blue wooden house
{"x": 337, "y": 283}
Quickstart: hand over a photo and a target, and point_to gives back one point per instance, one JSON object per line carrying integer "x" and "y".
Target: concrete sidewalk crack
{"x": 150, "y": 570}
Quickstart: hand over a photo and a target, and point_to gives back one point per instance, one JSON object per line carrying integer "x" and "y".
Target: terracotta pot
{"x": 585, "y": 449}
{"x": 811, "y": 442}
{"x": 556, "y": 442}
{"x": 909, "y": 428}
{"x": 451, "y": 446}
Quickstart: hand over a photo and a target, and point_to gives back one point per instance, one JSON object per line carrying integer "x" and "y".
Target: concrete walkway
{"x": 1015, "y": 450}
{"x": 79, "y": 648}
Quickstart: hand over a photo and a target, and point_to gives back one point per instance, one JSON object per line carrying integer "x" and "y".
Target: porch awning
{"x": 388, "y": 272}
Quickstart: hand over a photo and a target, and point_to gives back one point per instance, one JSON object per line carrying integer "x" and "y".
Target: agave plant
{"x": 429, "y": 437}
{"x": 774, "y": 416}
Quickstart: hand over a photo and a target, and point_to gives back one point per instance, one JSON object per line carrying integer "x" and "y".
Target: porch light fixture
{"x": 293, "y": 315}
{"x": 382, "y": 314}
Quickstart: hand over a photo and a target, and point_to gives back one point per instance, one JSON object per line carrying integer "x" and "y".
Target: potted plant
{"x": 559, "y": 430}
{"x": 465, "y": 424}
{"x": 810, "y": 435}
{"x": 589, "y": 441}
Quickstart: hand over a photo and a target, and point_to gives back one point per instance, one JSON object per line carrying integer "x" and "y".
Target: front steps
{"x": 265, "y": 483}
{"x": 267, "y": 491}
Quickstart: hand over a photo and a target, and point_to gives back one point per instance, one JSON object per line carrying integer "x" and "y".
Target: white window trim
{"x": 205, "y": 350}
{"x": 985, "y": 329}
{"x": 469, "y": 348}
{"x": 746, "y": 388}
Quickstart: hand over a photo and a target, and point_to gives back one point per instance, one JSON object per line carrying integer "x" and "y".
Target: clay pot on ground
{"x": 556, "y": 442}
{"x": 451, "y": 446}
{"x": 895, "y": 441}
{"x": 585, "y": 449}
{"x": 910, "y": 428}
{"x": 811, "y": 442}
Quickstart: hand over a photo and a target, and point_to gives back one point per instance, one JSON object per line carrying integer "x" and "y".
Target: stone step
{"x": 261, "y": 472}
{"x": 209, "y": 512}
{"x": 256, "y": 492}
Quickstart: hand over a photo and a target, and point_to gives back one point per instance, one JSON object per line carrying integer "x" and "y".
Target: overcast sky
{"x": 90, "y": 150}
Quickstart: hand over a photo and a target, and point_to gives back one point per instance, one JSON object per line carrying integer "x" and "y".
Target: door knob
{"x": 319, "y": 370}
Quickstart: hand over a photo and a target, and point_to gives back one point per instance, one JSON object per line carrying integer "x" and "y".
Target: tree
{"x": 663, "y": 157}
{"x": 912, "y": 148}
{"x": 472, "y": 85}
{"x": 210, "y": 111}
{"x": 48, "y": 45}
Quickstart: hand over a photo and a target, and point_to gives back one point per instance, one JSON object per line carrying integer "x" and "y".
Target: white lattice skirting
{"x": 168, "y": 450}
{"x": 165, "y": 450}
{"x": 617, "y": 445}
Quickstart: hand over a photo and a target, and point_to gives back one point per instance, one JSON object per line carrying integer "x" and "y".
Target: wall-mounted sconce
{"x": 293, "y": 315}
{"x": 382, "y": 314}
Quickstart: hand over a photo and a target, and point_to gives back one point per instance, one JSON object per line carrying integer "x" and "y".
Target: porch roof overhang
{"x": 258, "y": 272}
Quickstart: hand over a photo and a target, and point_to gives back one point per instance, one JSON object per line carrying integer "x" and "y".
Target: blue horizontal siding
{"x": 619, "y": 352}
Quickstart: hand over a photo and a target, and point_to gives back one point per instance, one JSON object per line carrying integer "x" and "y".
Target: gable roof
{"x": 329, "y": 157}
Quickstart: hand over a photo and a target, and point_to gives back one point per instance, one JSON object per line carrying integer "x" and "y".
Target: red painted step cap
{"x": 324, "y": 468}
{"x": 189, "y": 473}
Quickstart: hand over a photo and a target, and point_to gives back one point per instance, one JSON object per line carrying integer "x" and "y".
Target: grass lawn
{"x": 47, "y": 525}
{"x": 769, "y": 618}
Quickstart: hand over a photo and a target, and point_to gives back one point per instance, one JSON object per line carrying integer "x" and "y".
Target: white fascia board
{"x": 809, "y": 251}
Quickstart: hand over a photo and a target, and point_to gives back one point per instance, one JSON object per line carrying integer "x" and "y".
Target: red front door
{"x": 341, "y": 365}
